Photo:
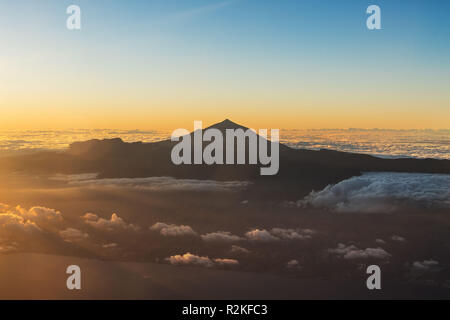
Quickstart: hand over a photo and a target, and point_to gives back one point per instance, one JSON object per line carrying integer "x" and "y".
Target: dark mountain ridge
{"x": 113, "y": 158}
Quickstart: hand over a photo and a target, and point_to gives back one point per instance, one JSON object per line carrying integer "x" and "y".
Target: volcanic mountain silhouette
{"x": 298, "y": 168}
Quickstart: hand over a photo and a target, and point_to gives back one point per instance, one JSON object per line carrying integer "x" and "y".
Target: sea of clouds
{"x": 383, "y": 143}
{"x": 384, "y": 192}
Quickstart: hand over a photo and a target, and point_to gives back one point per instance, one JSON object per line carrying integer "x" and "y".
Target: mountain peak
{"x": 227, "y": 124}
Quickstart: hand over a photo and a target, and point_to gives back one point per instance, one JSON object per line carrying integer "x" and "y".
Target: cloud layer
{"x": 165, "y": 184}
{"x": 384, "y": 192}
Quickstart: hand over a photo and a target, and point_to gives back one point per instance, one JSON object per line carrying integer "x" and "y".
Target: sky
{"x": 161, "y": 64}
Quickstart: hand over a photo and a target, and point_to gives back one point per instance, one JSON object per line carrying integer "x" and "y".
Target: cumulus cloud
{"x": 43, "y": 215}
{"x": 220, "y": 236}
{"x": 226, "y": 262}
{"x": 167, "y": 184}
{"x": 40, "y": 216}
{"x": 279, "y": 234}
{"x": 190, "y": 259}
{"x": 194, "y": 260}
{"x": 260, "y": 235}
{"x": 172, "y": 230}
{"x": 11, "y": 223}
{"x": 352, "y": 252}
{"x": 22, "y": 226}
{"x": 383, "y": 192}
{"x": 114, "y": 224}
{"x": 238, "y": 249}
{"x": 28, "y": 228}
{"x": 292, "y": 234}
{"x": 377, "y": 253}
{"x": 73, "y": 235}
{"x": 380, "y": 241}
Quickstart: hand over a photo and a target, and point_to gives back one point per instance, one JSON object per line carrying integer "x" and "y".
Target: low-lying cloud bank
{"x": 162, "y": 184}
{"x": 383, "y": 192}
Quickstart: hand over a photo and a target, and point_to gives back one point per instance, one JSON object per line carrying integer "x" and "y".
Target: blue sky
{"x": 302, "y": 55}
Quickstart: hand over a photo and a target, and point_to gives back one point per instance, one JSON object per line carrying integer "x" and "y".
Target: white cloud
{"x": 173, "y": 230}
{"x": 11, "y": 224}
{"x": 194, "y": 260}
{"x": 23, "y": 225}
{"x": 377, "y": 253}
{"x": 383, "y": 192}
{"x": 220, "y": 236}
{"x": 190, "y": 259}
{"x": 292, "y": 234}
{"x": 352, "y": 252}
{"x": 40, "y": 216}
{"x": 73, "y": 235}
{"x": 380, "y": 241}
{"x": 279, "y": 233}
{"x": 114, "y": 224}
{"x": 260, "y": 235}
{"x": 226, "y": 262}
